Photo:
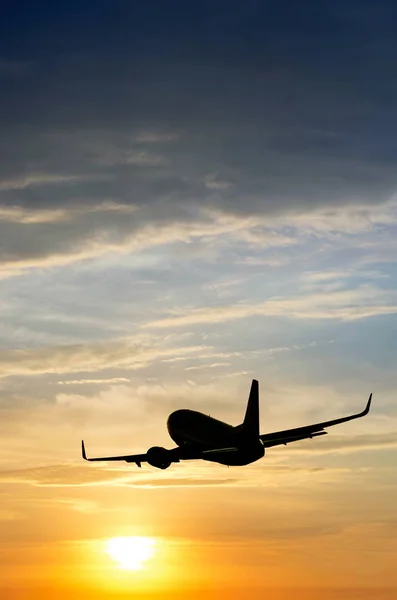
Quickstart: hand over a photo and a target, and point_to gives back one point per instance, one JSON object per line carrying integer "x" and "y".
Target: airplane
{"x": 200, "y": 436}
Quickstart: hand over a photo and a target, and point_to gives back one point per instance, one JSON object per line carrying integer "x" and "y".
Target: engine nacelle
{"x": 158, "y": 457}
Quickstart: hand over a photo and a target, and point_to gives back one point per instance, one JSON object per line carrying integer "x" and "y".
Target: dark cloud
{"x": 255, "y": 108}
{"x": 292, "y": 105}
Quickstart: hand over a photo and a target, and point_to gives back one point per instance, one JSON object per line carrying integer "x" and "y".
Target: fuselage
{"x": 192, "y": 429}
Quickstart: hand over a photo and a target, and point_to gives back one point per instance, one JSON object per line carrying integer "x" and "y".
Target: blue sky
{"x": 193, "y": 194}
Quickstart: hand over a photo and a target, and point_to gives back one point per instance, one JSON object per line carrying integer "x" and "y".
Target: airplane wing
{"x": 175, "y": 455}
{"x": 135, "y": 458}
{"x": 309, "y": 431}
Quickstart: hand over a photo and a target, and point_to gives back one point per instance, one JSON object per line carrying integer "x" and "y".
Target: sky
{"x": 194, "y": 194}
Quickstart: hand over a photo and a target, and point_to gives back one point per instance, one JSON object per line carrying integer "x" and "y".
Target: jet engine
{"x": 158, "y": 457}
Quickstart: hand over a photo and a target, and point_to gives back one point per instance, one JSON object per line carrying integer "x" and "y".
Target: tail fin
{"x": 250, "y": 425}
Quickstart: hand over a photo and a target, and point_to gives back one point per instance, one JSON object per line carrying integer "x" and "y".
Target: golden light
{"x": 131, "y": 553}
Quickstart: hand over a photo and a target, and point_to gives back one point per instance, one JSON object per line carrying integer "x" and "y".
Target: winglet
{"x": 366, "y": 410}
{"x": 83, "y": 450}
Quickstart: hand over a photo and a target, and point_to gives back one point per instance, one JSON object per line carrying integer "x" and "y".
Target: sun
{"x": 131, "y": 553}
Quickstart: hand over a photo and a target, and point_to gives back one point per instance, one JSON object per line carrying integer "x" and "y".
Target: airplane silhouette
{"x": 200, "y": 436}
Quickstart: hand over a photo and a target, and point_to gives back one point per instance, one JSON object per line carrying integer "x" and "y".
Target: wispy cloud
{"x": 359, "y": 303}
{"x": 75, "y": 476}
{"x": 60, "y": 236}
{"x": 111, "y": 380}
{"x": 346, "y": 445}
{"x": 209, "y": 366}
{"x": 329, "y": 277}
{"x": 39, "y": 179}
{"x": 72, "y": 475}
{"x": 84, "y": 357}
{"x": 19, "y": 214}
{"x": 155, "y": 137}
{"x": 321, "y": 276}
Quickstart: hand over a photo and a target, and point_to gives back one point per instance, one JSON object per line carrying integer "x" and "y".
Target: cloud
{"x": 59, "y": 475}
{"x": 84, "y": 357}
{"x": 364, "y": 301}
{"x": 226, "y": 121}
{"x": 156, "y": 137}
{"x": 50, "y": 237}
{"x": 319, "y": 277}
{"x": 111, "y": 380}
{"x": 333, "y": 277}
{"x": 182, "y": 475}
{"x": 76, "y": 476}
{"x": 18, "y": 214}
{"x": 37, "y": 179}
{"x": 347, "y": 445}
{"x": 209, "y": 366}
{"x": 349, "y": 219}
{"x": 229, "y": 146}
